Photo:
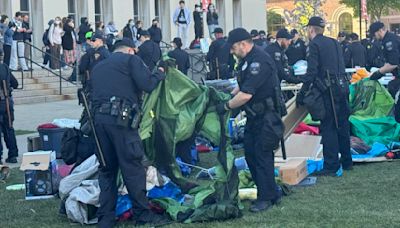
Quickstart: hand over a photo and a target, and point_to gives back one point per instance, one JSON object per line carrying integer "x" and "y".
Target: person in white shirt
{"x": 182, "y": 20}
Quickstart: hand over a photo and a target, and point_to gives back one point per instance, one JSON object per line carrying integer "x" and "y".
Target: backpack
{"x": 69, "y": 146}
{"x": 45, "y": 38}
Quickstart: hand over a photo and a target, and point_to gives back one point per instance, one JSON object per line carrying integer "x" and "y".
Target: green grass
{"x": 368, "y": 196}
{"x": 24, "y": 132}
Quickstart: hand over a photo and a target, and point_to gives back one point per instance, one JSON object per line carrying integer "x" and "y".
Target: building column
{"x": 228, "y": 12}
{"x": 257, "y": 20}
{"x": 38, "y": 24}
{"x": 6, "y": 8}
{"x": 122, "y": 12}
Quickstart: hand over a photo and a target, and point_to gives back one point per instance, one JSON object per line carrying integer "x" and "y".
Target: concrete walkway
{"x": 30, "y": 116}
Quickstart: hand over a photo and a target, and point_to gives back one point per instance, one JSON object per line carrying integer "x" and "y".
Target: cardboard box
{"x": 302, "y": 146}
{"x": 293, "y": 171}
{"x": 41, "y": 178}
{"x": 34, "y": 143}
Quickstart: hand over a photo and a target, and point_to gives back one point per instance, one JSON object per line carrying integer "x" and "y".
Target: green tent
{"x": 175, "y": 111}
{"x": 371, "y": 105}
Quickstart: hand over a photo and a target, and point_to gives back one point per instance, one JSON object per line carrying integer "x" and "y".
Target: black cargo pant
{"x": 8, "y": 131}
{"x": 261, "y": 137}
{"x": 336, "y": 140}
{"x": 122, "y": 149}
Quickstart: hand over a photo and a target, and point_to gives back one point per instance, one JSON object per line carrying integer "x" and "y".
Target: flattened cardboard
{"x": 39, "y": 160}
{"x": 302, "y": 146}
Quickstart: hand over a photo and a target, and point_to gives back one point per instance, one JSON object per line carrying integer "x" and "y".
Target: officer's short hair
{"x": 317, "y": 29}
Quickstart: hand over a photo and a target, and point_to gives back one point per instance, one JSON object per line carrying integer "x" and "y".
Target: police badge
{"x": 255, "y": 68}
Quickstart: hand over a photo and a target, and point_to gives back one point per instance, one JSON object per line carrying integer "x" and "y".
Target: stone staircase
{"x": 43, "y": 86}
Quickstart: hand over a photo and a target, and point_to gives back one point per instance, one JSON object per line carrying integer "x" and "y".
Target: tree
{"x": 375, "y": 8}
{"x": 304, "y": 9}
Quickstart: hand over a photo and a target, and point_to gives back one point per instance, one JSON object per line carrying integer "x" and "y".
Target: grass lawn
{"x": 368, "y": 196}
{"x": 23, "y": 132}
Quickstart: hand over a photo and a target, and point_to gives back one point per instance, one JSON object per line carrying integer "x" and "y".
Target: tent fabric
{"x": 371, "y": 105}
{"x": 369, "y": 100}
{"x": 175, "y": 111}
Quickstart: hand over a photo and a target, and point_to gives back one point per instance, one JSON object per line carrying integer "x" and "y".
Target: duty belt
{"x": 260, "y": 107}
{"x": 126, "y": 115}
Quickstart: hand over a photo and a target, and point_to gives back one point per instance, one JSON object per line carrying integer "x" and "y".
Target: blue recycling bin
{"x": 51, "y": 139}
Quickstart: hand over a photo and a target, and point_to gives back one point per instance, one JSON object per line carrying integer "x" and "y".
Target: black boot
{"x": 12, "y": 160}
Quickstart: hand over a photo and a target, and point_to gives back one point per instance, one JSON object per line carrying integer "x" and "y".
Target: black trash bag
{"x": 69, "y": 146}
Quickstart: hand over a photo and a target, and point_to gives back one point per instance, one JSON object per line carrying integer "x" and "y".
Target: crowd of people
{"x": 132, "y": 56}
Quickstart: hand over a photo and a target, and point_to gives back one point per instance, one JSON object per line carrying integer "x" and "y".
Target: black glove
{"x": 162, "y": 64}
{"x": 376, "y": 75}
{"x": 222, "y": 108}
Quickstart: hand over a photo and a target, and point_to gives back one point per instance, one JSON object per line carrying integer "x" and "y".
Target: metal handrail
{"x": 59, "y": 75}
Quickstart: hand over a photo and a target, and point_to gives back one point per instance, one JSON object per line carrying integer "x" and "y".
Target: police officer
{"x": 95, "y": 54}
{"x": 277, "y": 52}
{"x": 256, "y": 94}
{"x": 219, "y": 56}
{"x": 297, "y": 49}
{"x": 117, "y": 83}
{"x": 256, "y": 37}
{"x": 326, "y": 71}
{"x": 391, "y": 50}
{"x": 6, "y": 122}
{"x": 149, "y": 51}
{"x": 343, "y": 40}
{"x": 181, "y": 57}
{"x": 355, "y": 53}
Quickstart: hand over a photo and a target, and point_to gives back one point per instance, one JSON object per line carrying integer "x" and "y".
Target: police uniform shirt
{"x": 218, "y": 50}
{"x": 281, "y": 62}
{"x": 150, "y": 53}
{"x": 121, "y": 75}
{"x": 324, "y": 54}
{"x": 257, "y": 75}
{"x": 355, "y": 55}
{"x": 181, "y": 59}
{"x": 296, "y": 51}
{"x": 91, "y": 58}
{"x": 375, "y": 54}
{"x": 391, "y": 48}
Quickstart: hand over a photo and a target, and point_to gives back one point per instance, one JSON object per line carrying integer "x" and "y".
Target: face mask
{"x": 57, "y": 22}
{"x": 198, "y": 9}
{"x": 131, "y": 24}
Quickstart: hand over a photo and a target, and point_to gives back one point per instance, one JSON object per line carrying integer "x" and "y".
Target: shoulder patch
{"x": 255, "y": 68}
{"x": 278, "y": 56}
{"x": 389, "y": 46}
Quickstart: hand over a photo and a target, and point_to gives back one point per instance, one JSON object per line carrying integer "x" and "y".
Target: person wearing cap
{"x": 95, "y": 54}
{"x": 255, "y": 37}
{"x": 258, "y": 93}
{"x": 148, "y": 51}
{"x": 118, "y": 83}
{"x": 355, "y": 54}
{"x": 297, "y": 49}
{"x": 343, "y": 40}
{"x": 181, "y": 57}
{"x": 325, "y": 61}
{"x": 375, "y": 56}
{"x": 277, "y": 51}
{"x": 391, "y": 50}
{"x": 220, "y": 59}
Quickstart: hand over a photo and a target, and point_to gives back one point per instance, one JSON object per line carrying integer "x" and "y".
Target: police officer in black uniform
{"x": 149, "y": 51}
{"x": 355, "y": 53}
{"x": 5, "y": 121}
{"x": 257, "y": 94}
{"x": 326, "y": 73}
{"x": 375, "y": 56}
{"x": 277, "y": 52}
{"x": 181, "y": 57}
{"x": 343, "y": 40}
{"x": 391, "y": 51}
{"x": 297, "y": 49}
{"x": 117, "y": 84}
{"x": 95, "y": 54}
{"x": 219, "y": 56}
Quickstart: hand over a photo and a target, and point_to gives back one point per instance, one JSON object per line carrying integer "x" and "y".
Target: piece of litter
{"x": 15, "y": 187}
{"x": 33, "y": 211}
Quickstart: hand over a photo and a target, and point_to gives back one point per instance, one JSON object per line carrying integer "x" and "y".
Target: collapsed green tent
{"x": 175, "y": 111}
{"x": 371, "y": 105}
